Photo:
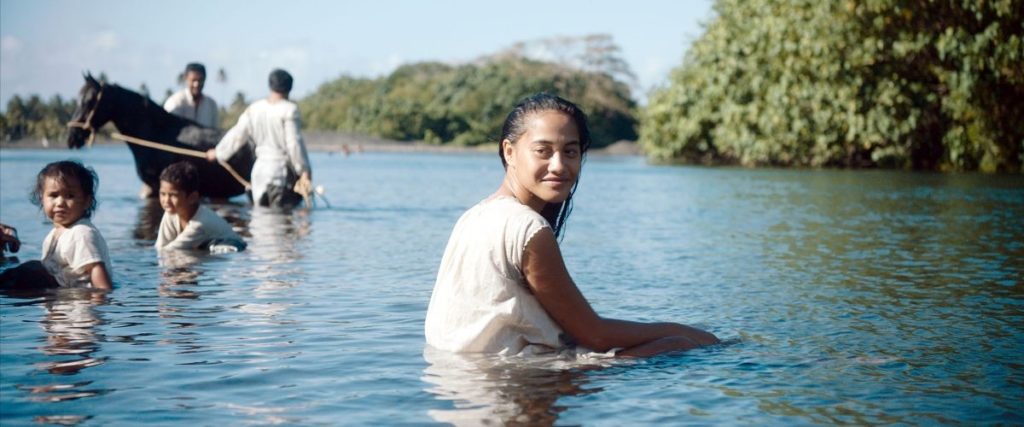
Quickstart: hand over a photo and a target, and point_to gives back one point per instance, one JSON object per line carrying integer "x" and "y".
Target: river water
{"x": 867, "y": 297}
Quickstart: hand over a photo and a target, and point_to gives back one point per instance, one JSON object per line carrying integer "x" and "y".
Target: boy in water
{"x": 186, "y": 223}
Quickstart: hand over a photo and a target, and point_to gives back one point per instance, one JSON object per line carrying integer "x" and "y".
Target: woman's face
{"x": 544, "y": 163}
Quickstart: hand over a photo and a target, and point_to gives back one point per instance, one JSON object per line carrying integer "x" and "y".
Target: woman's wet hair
{"x": 182, "y": 175}
{"x": 65, "y": 172}
{"x": 280, "y": 81}
{"x": 515, "y": 126}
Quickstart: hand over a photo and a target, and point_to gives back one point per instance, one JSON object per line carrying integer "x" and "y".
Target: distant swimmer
{"x": 502, "y": 286}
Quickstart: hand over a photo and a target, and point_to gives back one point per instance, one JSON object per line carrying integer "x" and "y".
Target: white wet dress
{"x": 481, "y": 302}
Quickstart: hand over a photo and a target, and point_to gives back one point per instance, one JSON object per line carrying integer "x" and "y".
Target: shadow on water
{"x": 148, "y": 220}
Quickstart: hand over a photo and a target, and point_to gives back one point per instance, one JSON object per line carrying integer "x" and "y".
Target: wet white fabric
{"x": 182, "y": 104}
{"x": 481, "y": 302}
{"x": 204, "y": 227}
{"x": 66, "y": 256}
{"x": 274, "y": 128}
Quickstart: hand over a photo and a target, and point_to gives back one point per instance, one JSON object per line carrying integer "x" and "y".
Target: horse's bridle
{"x": 87, "y": 124}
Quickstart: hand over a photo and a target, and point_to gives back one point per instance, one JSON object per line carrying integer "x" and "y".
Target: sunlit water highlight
{"x": 850, "y": 297}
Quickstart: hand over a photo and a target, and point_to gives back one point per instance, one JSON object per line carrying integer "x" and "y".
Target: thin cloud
{"x": 105, "y": 41}
{"x": 11, "y": 45}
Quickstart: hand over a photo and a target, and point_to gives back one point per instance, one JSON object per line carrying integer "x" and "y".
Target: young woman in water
{"x": 502, "y": 286}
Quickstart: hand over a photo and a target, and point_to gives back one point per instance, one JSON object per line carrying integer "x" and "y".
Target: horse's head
{"x": 90, "y": 114}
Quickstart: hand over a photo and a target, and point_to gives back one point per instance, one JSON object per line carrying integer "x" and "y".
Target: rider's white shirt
{"x": 182, "y": 104}
{"x": 274, "y": 128}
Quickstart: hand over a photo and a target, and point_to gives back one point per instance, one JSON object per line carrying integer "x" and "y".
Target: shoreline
{"x": 345, "y": 142}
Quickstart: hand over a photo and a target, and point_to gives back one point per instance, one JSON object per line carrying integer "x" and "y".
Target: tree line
{"x": 466, "y": 104}
{"x": 433, "y": 102}
{"x": 935, "y": 85}
{"x": 34, "y": 118}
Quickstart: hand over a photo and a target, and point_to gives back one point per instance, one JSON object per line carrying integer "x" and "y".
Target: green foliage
{"x": 924, "y": 84}
{"x": 34, "y": 118}
{"x": 228, "y": 116}
{"x": 466, "y": 104}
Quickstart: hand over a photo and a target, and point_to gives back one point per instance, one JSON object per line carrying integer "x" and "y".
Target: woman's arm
{"x": 99, "y": 277}
{"x": 550, "y": 282}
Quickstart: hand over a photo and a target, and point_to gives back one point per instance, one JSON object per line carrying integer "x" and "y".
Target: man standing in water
{"x": 281, "y": 175}
{"x": 190, "y": 102}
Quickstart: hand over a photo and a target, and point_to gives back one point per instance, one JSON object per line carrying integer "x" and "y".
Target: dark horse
{"x": 136, "y": 116}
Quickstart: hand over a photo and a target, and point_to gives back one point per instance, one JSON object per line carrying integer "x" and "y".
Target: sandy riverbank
{"x": 353, "y": 143}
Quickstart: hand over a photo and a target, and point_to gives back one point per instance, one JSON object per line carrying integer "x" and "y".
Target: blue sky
{"x": 45, "y": 45}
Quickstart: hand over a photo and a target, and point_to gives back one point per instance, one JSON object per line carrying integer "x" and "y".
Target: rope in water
{"x": 182, "y": 151}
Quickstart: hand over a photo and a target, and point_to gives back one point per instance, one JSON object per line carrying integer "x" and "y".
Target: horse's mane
{"x": 147, "y": 106}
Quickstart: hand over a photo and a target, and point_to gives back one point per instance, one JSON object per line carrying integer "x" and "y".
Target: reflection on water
{"x": 506, "y": 391}
{"x": 276, "y": 241}
{"x": 275, "y": 233}
{"x": 69, "y": 322}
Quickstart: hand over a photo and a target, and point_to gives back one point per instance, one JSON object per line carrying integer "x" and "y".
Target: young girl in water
{"x": 502, "y": 286}
{"x": 74, "y": 252}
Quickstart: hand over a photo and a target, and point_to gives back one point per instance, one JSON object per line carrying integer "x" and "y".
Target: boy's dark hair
{"x": 280, "y": 81}
{"x": 195, "y": 67}
{"x": 65, "y": 171}
{"x": 182, "y": 175}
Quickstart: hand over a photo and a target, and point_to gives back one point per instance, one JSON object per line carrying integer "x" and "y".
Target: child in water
{"x": 502, "y": 286}
{"x": 186, "y": 223}
{"x": 74, "y": 252}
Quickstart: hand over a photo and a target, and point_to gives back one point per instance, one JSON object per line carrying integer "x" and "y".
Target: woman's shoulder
{"x": 504, "y": 207}
{"x": 499, "y": 213}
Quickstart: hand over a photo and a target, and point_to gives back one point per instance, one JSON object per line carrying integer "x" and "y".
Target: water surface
{"x": 851, "y": 297}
